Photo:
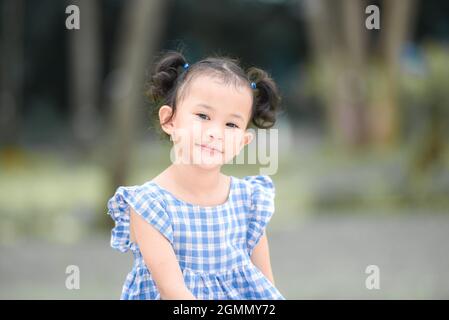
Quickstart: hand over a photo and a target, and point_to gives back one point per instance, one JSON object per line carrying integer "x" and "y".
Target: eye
{"x": 232, "y": 125}
{"x": 202, "y": 116}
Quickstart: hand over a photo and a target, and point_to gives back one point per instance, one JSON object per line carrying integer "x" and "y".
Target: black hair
{"x": 169, "y": 79}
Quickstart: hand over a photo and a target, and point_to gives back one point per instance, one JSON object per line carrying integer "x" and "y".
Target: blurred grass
{"x": 56, "y": 196}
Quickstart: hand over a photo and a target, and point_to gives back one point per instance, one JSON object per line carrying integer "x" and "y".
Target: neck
{"x": 197, "y": 180}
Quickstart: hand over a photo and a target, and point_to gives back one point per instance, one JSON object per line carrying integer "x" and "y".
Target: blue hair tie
{"x": 253, "y": 85}
{"x": 186, "y": 66}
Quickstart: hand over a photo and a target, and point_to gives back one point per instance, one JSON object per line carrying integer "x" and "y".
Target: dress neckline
{"x": 197, "y": 206}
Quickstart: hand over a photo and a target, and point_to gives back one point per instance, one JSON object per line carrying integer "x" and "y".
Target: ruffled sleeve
{"x": 144, "y": 204}
{"x": 261, "y": 210}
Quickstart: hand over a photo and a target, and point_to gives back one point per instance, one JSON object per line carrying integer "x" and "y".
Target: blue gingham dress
{"x": 213, "y": 244}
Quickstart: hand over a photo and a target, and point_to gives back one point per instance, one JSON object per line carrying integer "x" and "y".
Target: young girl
{"x": 196, "y": 233}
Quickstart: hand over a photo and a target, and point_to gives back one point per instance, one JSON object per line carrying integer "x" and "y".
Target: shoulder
{"x": 146, "y": 201}
{"x": 259, "y": 184}
{"x": 262, "y": 207}
{"x": 137, "y": 196}
{"x": 260, "y": 188}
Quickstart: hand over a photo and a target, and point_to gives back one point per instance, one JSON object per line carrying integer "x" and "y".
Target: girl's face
{"x": 209, "y": 126}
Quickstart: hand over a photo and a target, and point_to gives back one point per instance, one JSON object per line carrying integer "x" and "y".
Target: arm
{"x": 160, "y": 258}
{"x": 261, "y": 257}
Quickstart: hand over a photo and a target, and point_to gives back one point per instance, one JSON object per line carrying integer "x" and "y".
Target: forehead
{"x": 229, "y": 97}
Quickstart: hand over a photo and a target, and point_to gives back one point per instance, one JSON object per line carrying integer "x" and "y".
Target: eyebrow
{"x": 211, "y": 108}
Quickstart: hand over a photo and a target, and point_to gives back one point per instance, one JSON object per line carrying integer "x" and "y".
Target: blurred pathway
{"x": 322, "y": 257}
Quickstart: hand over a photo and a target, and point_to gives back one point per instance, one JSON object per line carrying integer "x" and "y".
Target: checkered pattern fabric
{"x": 213, "y": 244}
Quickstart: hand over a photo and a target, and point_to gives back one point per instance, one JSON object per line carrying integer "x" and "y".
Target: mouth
{"x": 208, "y": 148}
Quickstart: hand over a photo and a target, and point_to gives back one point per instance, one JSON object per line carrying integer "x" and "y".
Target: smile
{"x": 204, "y": 147}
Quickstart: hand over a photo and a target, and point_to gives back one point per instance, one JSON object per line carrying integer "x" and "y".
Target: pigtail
{"x": 266, "y": 98}
{"x": 164, "y": 76}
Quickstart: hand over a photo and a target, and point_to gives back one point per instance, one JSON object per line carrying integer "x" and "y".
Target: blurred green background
{"x": 363, "y": 172}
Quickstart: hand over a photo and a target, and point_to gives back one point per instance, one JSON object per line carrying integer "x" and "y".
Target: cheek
{"x": 233, "y": 141}
{"x": 189, "y": 129}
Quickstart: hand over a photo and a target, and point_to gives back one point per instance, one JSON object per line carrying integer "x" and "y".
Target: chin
{"x": 208, "y": 163}
{"x": 207, "y": 167}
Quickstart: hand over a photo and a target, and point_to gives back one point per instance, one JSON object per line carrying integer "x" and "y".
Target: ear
{"x": 247, "y": 137}
{"x": 164, "y": 114}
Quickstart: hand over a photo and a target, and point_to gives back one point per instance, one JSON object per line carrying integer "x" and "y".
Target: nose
{"x": 214, "y": 133}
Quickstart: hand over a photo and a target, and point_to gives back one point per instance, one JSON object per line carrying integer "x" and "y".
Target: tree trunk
{"x": 337, "y": 35}
{"x": 85, "y": 73}
{"x": 11, "y": 71}
{"x": 384, "y": 109}
{"x": 138, "y": 38}
{"x": 338, "y": 38}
